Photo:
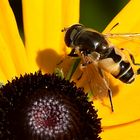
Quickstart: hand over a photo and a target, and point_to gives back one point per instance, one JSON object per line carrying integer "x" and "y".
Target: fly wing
{"x": 129, "y": 41}
{"x": 123, "y": 35}
{"x": 93, "y": 80}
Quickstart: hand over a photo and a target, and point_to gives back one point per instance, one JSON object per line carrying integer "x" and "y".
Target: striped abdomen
{"x": 117, "y": 64}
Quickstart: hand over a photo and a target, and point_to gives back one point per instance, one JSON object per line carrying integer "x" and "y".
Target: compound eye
{"x": 70, "y": 34}
{"x": 68, "y": 40}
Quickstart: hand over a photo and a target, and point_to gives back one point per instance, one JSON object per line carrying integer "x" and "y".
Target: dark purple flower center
{"x": 51, "y": 116}
{"x": 48, "y": 116}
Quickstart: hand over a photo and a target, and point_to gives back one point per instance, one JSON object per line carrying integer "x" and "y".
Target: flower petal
{"x": 70, "y": 12}
{"x": 128, "y": 131}
{"x": 128, "y": 19}
{"x": 2, "y": 77}
{"x": 43, "y": 22}
{"x": 10, "y": 34}
{"x": 6, "y": 64}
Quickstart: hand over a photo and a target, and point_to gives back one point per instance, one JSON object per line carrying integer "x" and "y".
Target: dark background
{"x": 93, "y": 13}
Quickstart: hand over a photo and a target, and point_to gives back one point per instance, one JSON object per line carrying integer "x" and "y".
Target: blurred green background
{"x": 98, "y": 13}
{"x": 93, "y": 13}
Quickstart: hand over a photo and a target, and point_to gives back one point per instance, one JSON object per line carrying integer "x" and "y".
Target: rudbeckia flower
{"x": 36, "y": 106}
{"x": 44, "y": 47}
{"x": 46, "y": 107}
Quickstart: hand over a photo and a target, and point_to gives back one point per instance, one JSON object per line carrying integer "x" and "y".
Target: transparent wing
{"x": 93, "y": 81}
{"x": 128, "y": 41}
{"x": 123, "y": 35}
{"x": 91, "y": 78}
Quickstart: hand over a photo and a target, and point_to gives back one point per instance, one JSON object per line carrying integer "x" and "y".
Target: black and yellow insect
{"x": 95, "y": 50}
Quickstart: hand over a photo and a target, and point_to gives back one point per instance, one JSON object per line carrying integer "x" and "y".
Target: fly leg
{"x": 82, "y": 66}
{"x": 73, "y": 53}
{"x": 80, "y": 76}
{"x": 109, "y": 90}
{"x": 110, "y": 98}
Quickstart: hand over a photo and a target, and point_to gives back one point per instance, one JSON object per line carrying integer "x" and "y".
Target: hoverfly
{"x": 97, "y": 53}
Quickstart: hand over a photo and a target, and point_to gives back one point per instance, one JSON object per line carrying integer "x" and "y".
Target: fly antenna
{"x": 64, "y": 29}
{"x": 108, "y": 34}
{"x": 114, "y": 26}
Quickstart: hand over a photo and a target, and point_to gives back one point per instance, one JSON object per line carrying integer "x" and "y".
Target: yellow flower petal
{"x": 70, "y": 12}
{"x": 70, "y": 16}
{"x": 2, "y": 77}
{"x": 6, "y": 63}
{"x": 10, "y": 34}
{"x": 128, "y": 19}
{"x": 126, "y": 131}
{"x": 43, "y": 25}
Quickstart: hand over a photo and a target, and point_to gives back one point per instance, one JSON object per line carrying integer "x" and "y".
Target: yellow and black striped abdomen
{"x": 126, "y": 73}
{"x": 118, "y": 65}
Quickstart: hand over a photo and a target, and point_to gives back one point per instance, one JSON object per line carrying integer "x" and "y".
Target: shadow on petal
{"x": 47, "y": 60}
